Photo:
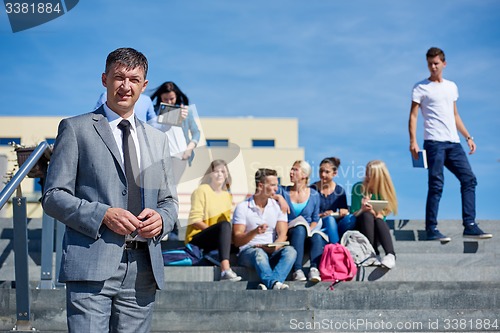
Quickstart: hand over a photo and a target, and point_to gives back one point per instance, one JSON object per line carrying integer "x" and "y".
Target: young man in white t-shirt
{"x": 437, "y": 99}
{"x": 258, "y": 222}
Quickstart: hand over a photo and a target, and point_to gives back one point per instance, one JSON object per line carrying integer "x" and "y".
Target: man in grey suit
{"x": 112, "y": 262}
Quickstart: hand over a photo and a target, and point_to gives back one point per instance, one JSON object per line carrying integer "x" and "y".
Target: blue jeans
{"x": 299, "y": 240}
{"x": 282, "y": 261}
{"x": 335, "y": 229}
{"x": 452, "y": 156}
{"x": 331, "y": 228}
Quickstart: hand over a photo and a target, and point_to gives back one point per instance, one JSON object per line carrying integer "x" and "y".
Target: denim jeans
{"x": 271, "y": 268}
{"x": 452, "y": 156}
{"x": 299, "y": 240}
{"x": 335, "y": 229}
{"x": 331, "y": 228}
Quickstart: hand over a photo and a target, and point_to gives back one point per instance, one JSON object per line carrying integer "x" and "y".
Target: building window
{"x": 262, "y": 143}
{"x": 217, "y": 143}
{"x": 6, "y": 141}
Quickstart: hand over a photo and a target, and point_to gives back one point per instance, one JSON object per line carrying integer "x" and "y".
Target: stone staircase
{"x": 433, "y": 288}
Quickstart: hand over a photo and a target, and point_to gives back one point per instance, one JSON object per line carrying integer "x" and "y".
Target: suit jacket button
{"x": 124, "y": 192}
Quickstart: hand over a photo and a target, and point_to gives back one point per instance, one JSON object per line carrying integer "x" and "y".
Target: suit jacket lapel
{"x": 146, "y": 158}
{"x": 102, "y": 127}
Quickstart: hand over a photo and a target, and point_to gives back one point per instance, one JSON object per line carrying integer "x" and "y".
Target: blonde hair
{"x": 215, "y": 163}
{"x": 378, "y": 181}
{"x": 305, "y": 168}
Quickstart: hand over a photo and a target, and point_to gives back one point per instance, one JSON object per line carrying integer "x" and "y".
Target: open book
{"x": 275, "y": 244}
{"x": 299, "y": 220}
{"x": 421, "y": 162}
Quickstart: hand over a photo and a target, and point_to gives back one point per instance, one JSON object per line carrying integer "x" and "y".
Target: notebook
{"x": 421, "y": 162}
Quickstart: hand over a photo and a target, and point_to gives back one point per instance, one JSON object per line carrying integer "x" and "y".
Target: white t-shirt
{"x": 249, "y": 214}
{"x": 436, "y": 101}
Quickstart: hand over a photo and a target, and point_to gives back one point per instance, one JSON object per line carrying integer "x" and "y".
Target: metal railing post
{"x": 47, "y": 251}
{"x": 20, "y": 218}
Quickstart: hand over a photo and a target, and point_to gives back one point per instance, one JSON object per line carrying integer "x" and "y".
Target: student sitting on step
{"x": 333, "y": 208}
{"x": 303, "y": 203}
{"x": 209, "y": 225}
{"x": 259, "y": 226}
{"x": 377, "y": 185}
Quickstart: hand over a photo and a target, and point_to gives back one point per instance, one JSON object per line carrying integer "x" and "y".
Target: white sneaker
{"x": 262, "y": 286}
{"x": 229, "y": 275}
{"x": 314, "y": 275}
{"x": 299, "y": 275}
{"x": 280, "y": 286}
{"x": 389, "y": 261}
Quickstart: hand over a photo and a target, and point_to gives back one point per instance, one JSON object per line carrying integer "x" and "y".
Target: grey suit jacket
{"x": 86, "y": 177}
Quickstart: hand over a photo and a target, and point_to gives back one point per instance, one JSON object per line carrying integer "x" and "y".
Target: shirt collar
{"x": 253, "y": 206}
{"x": 251, "y": 203}
{"x": 114, "y": 119}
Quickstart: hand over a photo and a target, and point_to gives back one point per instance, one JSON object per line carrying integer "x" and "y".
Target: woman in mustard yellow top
{"x": 209, "y": 225}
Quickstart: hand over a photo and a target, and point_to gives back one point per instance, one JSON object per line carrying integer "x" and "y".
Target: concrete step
{"x": 328, "y": 321}
{"x": 409, "y": 267}
{"x": 448, "y": 273}
{"x": 443, "y": 225}
{"x": 457, "y": 245}
{"x": 461, "y": 259}
{"x": 215, "y": 307}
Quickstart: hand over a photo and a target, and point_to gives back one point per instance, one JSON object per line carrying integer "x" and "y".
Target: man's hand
{"x": 148, "y": 224}
{"x": 261, "y": 228}
{"x": 151, "y": 223}
{"x": 282, "y": 202}
{"x": 472, "y": 146}
{"x": 121, "y": 221}
{"x": 414, "y": 150}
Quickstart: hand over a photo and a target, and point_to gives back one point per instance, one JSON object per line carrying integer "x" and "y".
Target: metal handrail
{"x": 20, "y": 239}
{"x": 24, "y": 169}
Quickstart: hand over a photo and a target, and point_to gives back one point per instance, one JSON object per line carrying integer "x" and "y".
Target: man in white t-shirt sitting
{"x": 437, "y": 99}
{"x": 259, "y": 226}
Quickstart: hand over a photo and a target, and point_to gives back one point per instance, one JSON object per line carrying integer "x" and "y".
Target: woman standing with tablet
{"x": 188, "y": 133}
{"x": 182, "y": 139}
{"x": 377, "y": 185}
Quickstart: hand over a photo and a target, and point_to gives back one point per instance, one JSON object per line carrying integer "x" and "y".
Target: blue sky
{"x": 344, "y": 69}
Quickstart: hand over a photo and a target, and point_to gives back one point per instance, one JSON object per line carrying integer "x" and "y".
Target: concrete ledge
{"x": 218, "y": 309}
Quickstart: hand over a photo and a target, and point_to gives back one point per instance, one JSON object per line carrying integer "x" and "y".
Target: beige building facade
{"x": 246, "y": 143}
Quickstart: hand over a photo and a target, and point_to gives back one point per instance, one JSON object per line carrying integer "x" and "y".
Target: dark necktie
{"x": 134, "y": 203}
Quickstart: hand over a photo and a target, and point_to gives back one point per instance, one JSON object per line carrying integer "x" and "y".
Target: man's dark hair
{"x": 127, "y": 57}
{"x": 261, "y": 174}
{"x": 435, "y": 51}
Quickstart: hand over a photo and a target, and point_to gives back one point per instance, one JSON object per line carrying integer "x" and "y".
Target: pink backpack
{"x": 336, "y": 264}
